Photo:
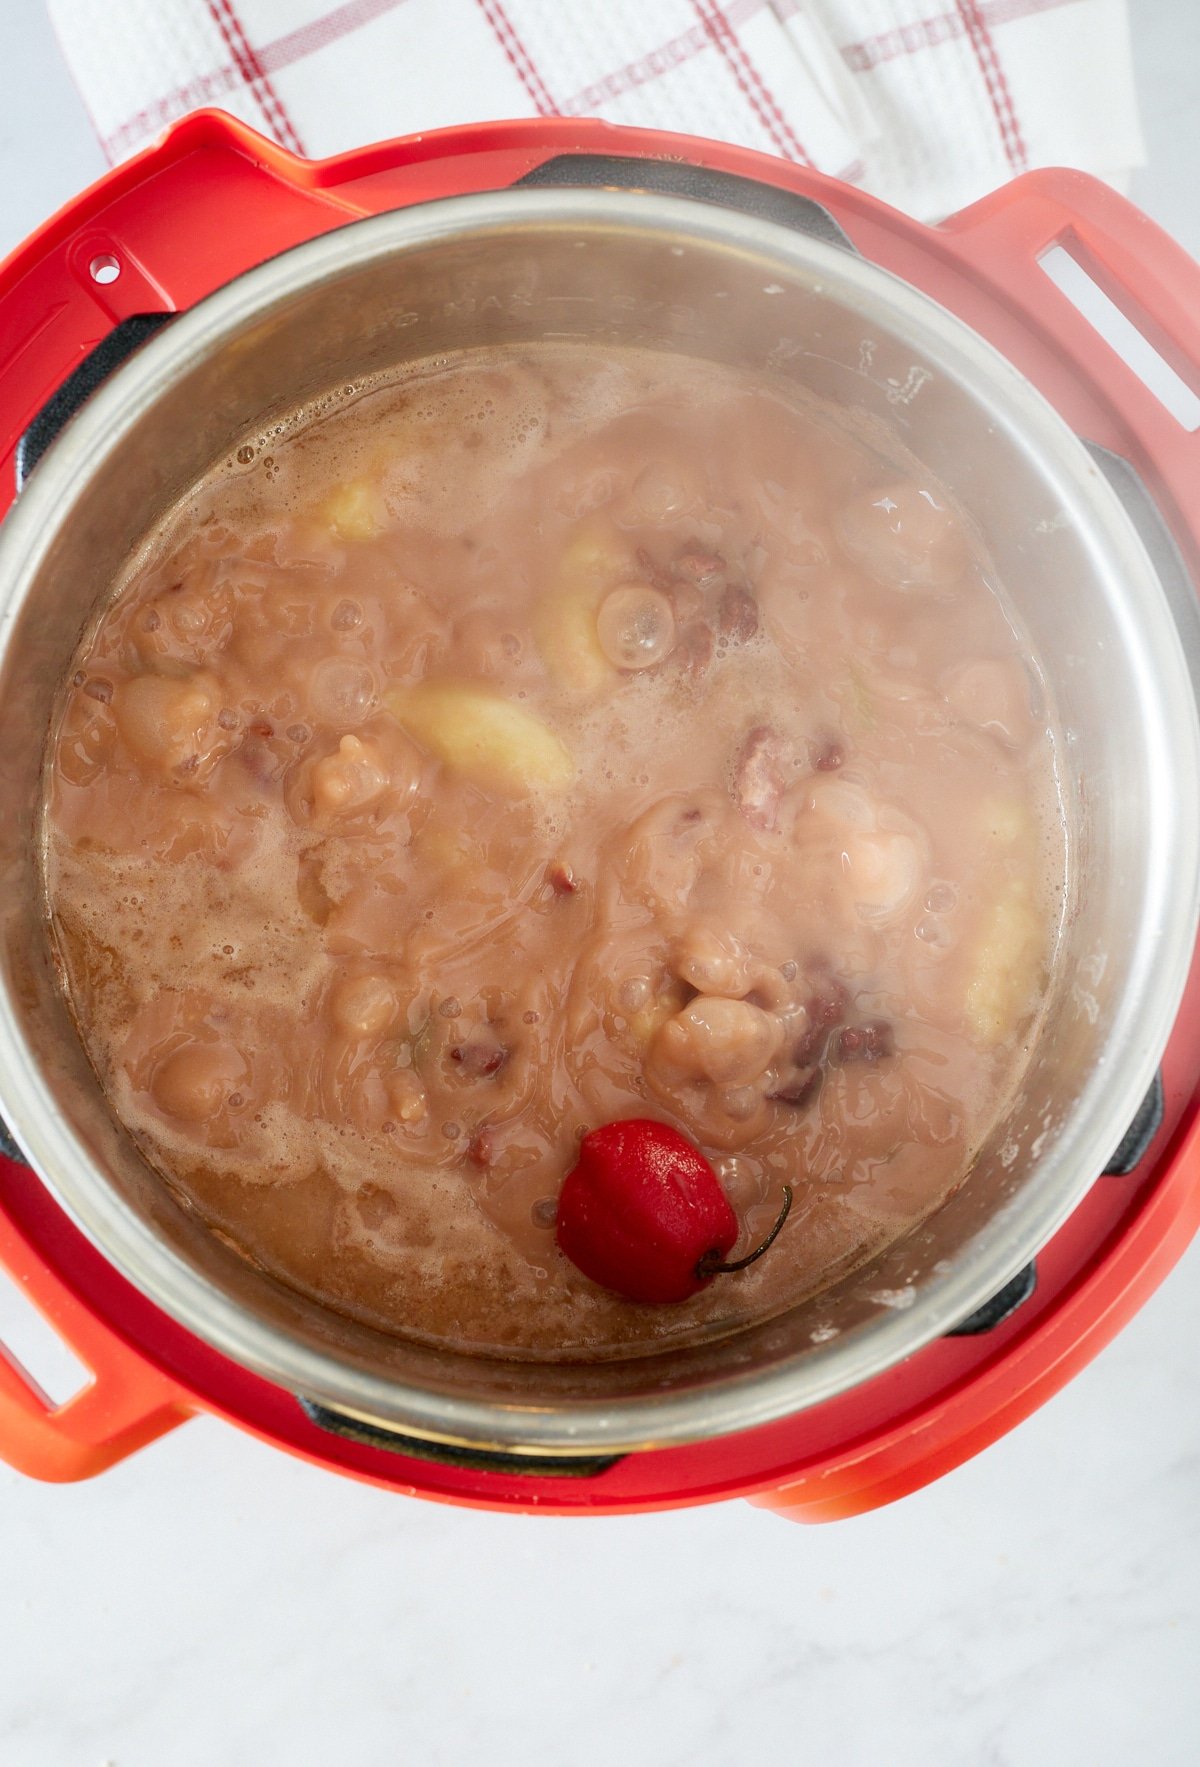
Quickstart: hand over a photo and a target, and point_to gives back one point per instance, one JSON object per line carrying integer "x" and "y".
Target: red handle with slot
{"x": 124, "y": 1405}
{"x": 1145, "y": 273}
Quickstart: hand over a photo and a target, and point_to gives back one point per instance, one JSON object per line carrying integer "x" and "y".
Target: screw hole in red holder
{"x": 104, "y": 268}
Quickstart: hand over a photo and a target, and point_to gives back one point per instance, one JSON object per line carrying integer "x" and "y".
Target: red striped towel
{"x": 927, "y": 102}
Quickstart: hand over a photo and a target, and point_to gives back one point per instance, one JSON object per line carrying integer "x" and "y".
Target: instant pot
{"x": 211, "y": 284}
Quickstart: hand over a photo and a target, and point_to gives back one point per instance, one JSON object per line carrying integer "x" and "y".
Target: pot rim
{"x": 1141, "y": 1024}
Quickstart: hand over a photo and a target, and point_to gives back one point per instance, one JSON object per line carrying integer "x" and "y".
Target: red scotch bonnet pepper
{"x": 643, "y": 1213}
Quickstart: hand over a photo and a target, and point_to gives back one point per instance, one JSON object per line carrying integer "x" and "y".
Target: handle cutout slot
{"x": 1122, "y": 332}
{"x": 30, "y": 1343}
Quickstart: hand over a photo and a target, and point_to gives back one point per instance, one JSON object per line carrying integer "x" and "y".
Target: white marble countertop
{"x": 213, "y": 1601}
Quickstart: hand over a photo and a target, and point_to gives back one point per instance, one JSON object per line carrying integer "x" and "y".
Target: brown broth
{"x": 542, "y": 738}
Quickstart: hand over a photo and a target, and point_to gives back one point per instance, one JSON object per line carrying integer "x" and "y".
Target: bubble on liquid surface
{"x": 932, "y": 932}
{"x": 635, "y": 626}
{"x": 343, "y": 691}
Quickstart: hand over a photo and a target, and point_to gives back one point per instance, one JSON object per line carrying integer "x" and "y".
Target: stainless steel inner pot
{"x": 682, "y": 276}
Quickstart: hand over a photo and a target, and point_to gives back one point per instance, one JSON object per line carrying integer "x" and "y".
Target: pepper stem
{"x": 706, "y": 1267}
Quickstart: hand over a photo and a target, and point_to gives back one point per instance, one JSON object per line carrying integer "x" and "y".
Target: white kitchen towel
{"x": 928, "y": 103}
